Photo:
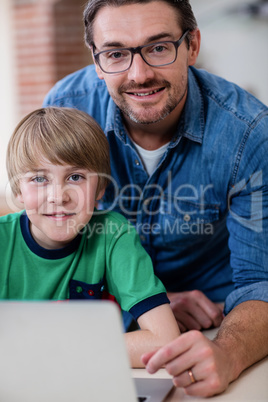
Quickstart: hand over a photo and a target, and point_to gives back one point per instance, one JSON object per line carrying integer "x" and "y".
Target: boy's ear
{"x": 97, "y": 68}
{"x": 18, "y": 201}
{"x": 100, "y": 195}
{"x": 19, "y": 197}
{"x": 15, "y": 202}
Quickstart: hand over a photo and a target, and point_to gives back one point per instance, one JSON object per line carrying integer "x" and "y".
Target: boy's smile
{"x": 59, "y": 201}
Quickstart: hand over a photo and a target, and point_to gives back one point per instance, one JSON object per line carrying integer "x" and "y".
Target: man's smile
{"x": 142, "y": 94}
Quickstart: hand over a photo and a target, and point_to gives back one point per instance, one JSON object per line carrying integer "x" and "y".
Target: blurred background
{"x": 42, "y": 41}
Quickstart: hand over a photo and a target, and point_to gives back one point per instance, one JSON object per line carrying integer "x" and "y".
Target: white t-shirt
{"x": 151, "y": 158}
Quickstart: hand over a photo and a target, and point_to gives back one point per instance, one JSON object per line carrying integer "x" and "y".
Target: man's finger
{"x": 189, "y": 321}
{"x": 213, "y": 310}
{"x": 169, "y": 352}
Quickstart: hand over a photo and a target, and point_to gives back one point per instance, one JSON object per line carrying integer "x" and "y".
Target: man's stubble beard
{"x": 150, "y": 115}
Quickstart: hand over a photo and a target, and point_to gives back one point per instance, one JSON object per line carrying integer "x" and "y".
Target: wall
{"x": 49, "y": 45}
{"x": 8, "y": 109}
{"x": 234, "y": 43}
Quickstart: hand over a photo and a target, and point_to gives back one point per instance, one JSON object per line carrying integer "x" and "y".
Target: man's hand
{"x": 204, "y": 367}
{"x": 210, "y": 366}
{"x": 193, "y": 310}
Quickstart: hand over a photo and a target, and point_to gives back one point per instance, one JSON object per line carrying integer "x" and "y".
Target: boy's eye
{"x": 39, "y": 179}
{"x": 75, "y": 177}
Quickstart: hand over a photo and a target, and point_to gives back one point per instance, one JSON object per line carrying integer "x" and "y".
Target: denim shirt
{"x": 203, "y": 213}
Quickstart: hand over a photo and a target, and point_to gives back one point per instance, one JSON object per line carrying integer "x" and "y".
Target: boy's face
{"x": 59, "y": 201}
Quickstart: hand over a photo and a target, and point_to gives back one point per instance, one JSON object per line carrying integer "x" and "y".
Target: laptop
{"x": 68, "y": 352}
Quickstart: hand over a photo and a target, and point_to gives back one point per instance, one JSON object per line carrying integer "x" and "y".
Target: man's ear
{"x": 97, "y": 68}
{"x": 194, "y": 47}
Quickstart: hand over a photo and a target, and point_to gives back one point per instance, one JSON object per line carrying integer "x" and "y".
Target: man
{"x": 189, "y": 169}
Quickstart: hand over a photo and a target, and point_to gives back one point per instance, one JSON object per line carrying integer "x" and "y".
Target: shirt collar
{"x": 49, "y": 254}
{"x": 192, "y": 121}
{"x": 191, "y": 124}
{"x": 114, "y": 121}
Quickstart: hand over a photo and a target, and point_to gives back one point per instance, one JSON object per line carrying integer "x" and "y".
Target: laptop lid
{"x": 67, "y": 351}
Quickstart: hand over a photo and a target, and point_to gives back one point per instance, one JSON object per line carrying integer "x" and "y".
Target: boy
{"x": 60, "y": 247}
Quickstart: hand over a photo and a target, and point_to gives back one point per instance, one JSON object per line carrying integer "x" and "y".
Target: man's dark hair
{"x": 186, "y": 18}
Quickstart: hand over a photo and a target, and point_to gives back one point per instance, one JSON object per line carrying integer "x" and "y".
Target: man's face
{"x": 145, "y": 94}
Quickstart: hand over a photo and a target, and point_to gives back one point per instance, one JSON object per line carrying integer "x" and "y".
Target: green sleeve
{"x": 129, "y": 270}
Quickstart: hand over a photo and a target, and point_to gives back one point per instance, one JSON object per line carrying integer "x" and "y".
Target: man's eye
{"x": 116, "y": 55}
{"x": 159, "y": 48}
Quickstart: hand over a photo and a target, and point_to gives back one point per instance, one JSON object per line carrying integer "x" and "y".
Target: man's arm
{"x": 240, "y": 342}
{"x": 157, "y": 327}
{"x": 243, "y": 335}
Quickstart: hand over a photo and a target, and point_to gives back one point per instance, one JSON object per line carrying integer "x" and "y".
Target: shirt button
{"x": 79, "y": 289}
{"x": 137, "y": 163}
{"x": 147, "y": 202}
{"x": 142, "y": 238}
{"x": 90, "y": 292}
{"x": 187, "y": 218}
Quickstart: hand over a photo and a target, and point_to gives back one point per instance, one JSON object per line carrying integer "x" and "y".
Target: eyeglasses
{"x": 156, "y": 54}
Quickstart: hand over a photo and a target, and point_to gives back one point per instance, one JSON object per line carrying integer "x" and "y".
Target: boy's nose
{"x": 57, "y": 195}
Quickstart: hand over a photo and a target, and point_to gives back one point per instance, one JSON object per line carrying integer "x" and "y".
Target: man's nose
{"x": 140, "y": 71}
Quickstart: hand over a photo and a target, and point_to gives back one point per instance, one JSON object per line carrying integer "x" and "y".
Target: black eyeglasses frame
{"x": 138, "y": 49}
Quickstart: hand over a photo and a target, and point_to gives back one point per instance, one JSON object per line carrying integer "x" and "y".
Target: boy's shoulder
{"x": 10, "y": 219}
{"x": 9, "y": 226}
{"x": 108, "y": 225}
{"x": 100, "y": 216}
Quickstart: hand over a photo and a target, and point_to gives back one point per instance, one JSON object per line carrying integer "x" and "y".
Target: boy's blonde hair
{"x": 60, "y": 135}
